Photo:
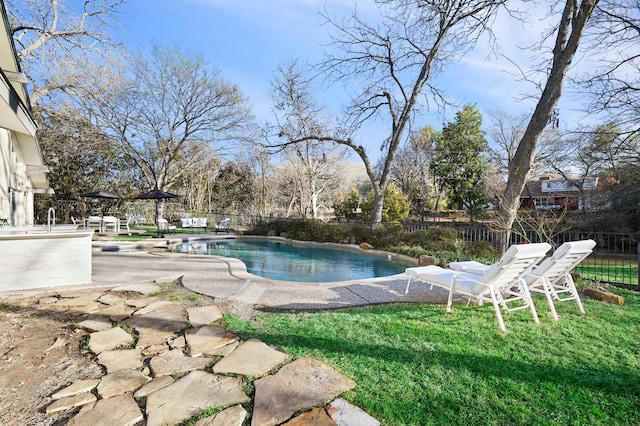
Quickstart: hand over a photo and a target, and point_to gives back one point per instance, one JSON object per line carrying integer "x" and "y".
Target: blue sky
{"x": 247, "y": 39}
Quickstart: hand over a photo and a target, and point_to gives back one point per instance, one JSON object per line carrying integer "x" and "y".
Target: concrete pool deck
{"x": 227, "y": 279}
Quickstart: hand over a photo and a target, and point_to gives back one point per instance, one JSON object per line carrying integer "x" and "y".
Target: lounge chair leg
{"x": 496, "y": 308}
{"x": 574, "y": 292}
{"x": 547, "y": 293}
{"x": 450, "y": 298}
{"x": 406, "y": 290}
{"x": 529, "y": 300}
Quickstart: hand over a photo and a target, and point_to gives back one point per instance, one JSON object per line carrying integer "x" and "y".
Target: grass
{"x": 416, "y": 365}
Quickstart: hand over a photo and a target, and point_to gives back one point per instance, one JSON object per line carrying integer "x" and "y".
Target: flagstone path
{"x": 164, "y": 363}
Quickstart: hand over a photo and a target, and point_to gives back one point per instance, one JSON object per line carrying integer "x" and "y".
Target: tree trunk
{"x": 378, "y": 204}
{"x": 569, "y": 32}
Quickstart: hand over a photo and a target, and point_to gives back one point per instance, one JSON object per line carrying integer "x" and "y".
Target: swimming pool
{"x": 303, "y": 262}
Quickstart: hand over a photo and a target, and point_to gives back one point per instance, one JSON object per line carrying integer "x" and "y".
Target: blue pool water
{"x": 281, "y": 260}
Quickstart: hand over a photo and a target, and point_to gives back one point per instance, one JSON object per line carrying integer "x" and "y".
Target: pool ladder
{"x": 51, "y": 213}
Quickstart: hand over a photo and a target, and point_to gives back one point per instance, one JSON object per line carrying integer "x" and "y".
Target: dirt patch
{"x": 42, "y": 352}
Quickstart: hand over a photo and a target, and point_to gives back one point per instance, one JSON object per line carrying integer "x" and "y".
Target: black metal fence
{"x": 615, "y": 259}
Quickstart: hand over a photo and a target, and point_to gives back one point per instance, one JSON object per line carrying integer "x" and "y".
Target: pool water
{"x": 281, "y": 260}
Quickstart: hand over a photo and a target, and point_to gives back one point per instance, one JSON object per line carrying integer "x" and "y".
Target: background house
{"x": 22, "y": 169}
{"x": 557, "y": 194}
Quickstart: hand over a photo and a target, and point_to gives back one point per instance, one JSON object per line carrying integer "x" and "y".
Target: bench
{"x": 194, "y": 222}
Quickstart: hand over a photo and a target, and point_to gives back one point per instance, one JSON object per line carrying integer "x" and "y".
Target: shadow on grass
{"x": 610, "y": 381}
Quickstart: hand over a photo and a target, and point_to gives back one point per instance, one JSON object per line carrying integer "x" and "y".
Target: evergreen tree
{"x": 459, "y": 162}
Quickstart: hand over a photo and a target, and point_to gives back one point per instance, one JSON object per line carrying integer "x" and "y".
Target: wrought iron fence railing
{"x": 614, "y": 260}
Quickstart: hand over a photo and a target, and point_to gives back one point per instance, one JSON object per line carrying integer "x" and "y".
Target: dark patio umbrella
{"x": 104, "y": 195}
{"x": 101, "y": 194}
{"x": 157, "y": 195}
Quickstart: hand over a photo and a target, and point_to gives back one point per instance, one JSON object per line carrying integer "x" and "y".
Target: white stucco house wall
{"x": 30, "y": 256}
{"x": 22, "y": 169}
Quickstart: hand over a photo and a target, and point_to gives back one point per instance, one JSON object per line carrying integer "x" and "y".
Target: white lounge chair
{"x": 224, "y": 224}
{"x": 552, "y": 277}
{"x": 110, "y": 221}
{"x": 500, "y": 284}
{"x": 94, "y": 221}
{"x": 163, "y": 225}
{"x": 125, "y": 223}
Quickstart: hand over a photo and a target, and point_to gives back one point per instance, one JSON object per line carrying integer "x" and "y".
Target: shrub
{"x": 383, "y": 237}
{"x": 434, "y": 238}
{"x": 413, "y": 251}
{"x": 442, "y": 243}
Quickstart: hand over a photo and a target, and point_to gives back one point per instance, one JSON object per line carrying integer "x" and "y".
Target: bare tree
{"x": 197, "y": 186}
{"x": 388, "y": 67}
{"x": 614, "y": 81}
{"x": 316, "y": 164}
{"x": 56, "y": 38}
{"x": 574, "y": 18}
{"x": 160, "y": 107}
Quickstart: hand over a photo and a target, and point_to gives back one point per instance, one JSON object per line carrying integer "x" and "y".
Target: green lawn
{"x": 416, "y": 365}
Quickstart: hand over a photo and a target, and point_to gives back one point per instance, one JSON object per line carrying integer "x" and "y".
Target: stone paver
{"x": 142, "y": 288}
{"x": 116, "y": 312}
{"x": 89, "y": 308}
{"x": 95, "y": 323}
{"x": 203, "y": 315}
{"x": 152, "y": 386}
{"x": 345, "y": 414}
{"x": 303, "y": 385}
{"x": 159, "y": 326}
{"x": 178, "y": 342}
{"x": 122, "y": 381}
{"x": 110, "y": 339}
{"x": 251, "y": 358}
{"x": 123, "y": 359}
{"x": 81, "y": 386}
{"x": 193, "y": 392}
{"x": 315, "y": 417}
{"x": 110, "y": 299}
{"x": 121, "y": 410}
{"x": 176, "y": 362}
{"x": 154, "y": 306}
{"x": 70, "y": 402}
{"x": 274, "y": 401}
{"x": 154, "y": 350}
{"x": 140, "y": 302}
{"x": 206, "y": 339}
{"x": 225, "y": 350}
{"x": 232, "y": 416}
{"x": 73, "y": 298}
